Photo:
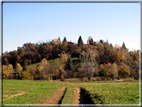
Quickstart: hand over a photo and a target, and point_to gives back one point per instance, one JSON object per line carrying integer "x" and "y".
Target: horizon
{"x": 34, "y": 22}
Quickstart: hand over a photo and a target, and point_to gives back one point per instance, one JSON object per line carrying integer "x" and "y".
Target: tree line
{"x": 95, "y": 59}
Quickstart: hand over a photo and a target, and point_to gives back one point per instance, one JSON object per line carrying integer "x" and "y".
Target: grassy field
{"x": 33, "y": 92}
{"x": 113, "y": 93}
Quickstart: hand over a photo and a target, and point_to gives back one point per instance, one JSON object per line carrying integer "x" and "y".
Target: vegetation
{"x": 33, "y": 91}
{"x": 68, "y": 98}
{"x": 114, "y": 93}
{"x": 50, "y": 59}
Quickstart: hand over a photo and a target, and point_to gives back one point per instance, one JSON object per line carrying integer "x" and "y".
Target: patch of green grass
{"x": 113, "y": 93}
{"x": 35, "y": 91}
{"x": 68, "y": 98}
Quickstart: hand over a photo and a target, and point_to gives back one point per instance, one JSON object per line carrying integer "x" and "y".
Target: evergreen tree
{"x": 64, "y": 40}
{"x": 59, "y": 39}
{"x": 80, "y": 42}
{"x": 123, "y": 45}
{"x": 69, "y": 64}
{"x": 91, "y": 40}
{"x": 111, "y": 45}
{"x": 24, "y": 66}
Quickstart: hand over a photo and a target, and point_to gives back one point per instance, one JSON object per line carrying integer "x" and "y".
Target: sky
{"x": 34, "y": 22}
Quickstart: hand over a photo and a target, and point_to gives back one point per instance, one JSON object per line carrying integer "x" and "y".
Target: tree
{"x": 124, "y": 71}
{"x": 80, "y": 42}
{"x": 18, "y": 68}
{"x": 68, "y": 67}
{"x": 64, "y": 40}
{"x": 113, "y": 71}
{"x": 46, "y": 70}
{"x": 89, "y": 63}
{"x": 7, "y": 71}
{"x": 123, "y": 46}
{"x": 90, "y": 40}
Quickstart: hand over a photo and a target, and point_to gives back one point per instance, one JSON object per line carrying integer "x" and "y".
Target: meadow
{"x": 36, "y": 92}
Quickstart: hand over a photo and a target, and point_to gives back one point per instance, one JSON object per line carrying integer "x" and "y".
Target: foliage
{"x": 124, "y": 71}
{"x": 68, "y": 65}
{"x": 7, "y": 71}
{"x": 25, "y": 75}
{"x": 80, "y": 42}
{"x": 113, "y": 71}
{"x": 89, "y": 63}
{"x": 18, "y": 68}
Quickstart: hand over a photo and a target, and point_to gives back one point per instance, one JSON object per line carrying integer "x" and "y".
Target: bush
{"x": 25, "y": 75}
{"x": 136, "y": 78}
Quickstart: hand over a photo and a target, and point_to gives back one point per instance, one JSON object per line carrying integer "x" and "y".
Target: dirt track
{"x": 56, "y": 97}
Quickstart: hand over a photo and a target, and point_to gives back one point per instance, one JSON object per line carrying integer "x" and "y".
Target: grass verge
{"x": 68, "y": 98}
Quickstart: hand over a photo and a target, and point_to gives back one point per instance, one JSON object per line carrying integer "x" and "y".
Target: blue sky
{"x": 34, "y": 22}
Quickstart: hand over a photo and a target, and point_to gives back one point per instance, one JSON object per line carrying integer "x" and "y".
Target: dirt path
{"x": 15, "y": 95}
{"x": 56, "y": 97}
{"x": 76, "y": 95}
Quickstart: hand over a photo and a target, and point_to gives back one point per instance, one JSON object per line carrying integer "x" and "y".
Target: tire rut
{"x": 80, "y": 97}
{"x": 56, "y": 97}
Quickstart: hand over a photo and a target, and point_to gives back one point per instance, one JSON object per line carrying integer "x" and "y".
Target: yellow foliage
{"x": 56, "y": 41}
{"x": 40, "y": 68}
{"x": 63, "y": 57}
{"x": 44, "y": 61}
{"x": 25, "y": 76}
{"x": 18, "y": 67}
{"x": 7, "y": 70}
{"x": 64, "y": 45}
{"x": 117, "y": 46}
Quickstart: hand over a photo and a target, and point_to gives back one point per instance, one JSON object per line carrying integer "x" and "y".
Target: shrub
{"x": 136, "y": 78}
{"x": 25, "y": 75}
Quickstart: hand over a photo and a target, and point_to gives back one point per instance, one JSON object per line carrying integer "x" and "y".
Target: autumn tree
{"x": 7, "y": 71}
{"x": 124, "y": 71}
{"x": 89, "y": 63}
{"x": 18, "y": 68}
{"x": 46, "y": 69}
{"x": 113, "y": 71}
{"x": 64, "y": 46}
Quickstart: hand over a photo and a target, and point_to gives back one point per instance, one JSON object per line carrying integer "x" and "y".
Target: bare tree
{"x": 89, "y": 63}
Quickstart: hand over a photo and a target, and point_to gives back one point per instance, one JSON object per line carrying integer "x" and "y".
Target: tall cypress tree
{"x": 80, "y": 42}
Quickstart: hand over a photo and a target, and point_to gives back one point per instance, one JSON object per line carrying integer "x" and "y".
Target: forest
{"x": 71, "y": 60}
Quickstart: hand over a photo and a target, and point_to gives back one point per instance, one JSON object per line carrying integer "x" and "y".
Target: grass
{"x": 52, "y": 62}
{"x": 68, "y": 98}
{"x": 39, "y": 91}
{"x": 35, "y": 91}
{"x": 113, "y": 93}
